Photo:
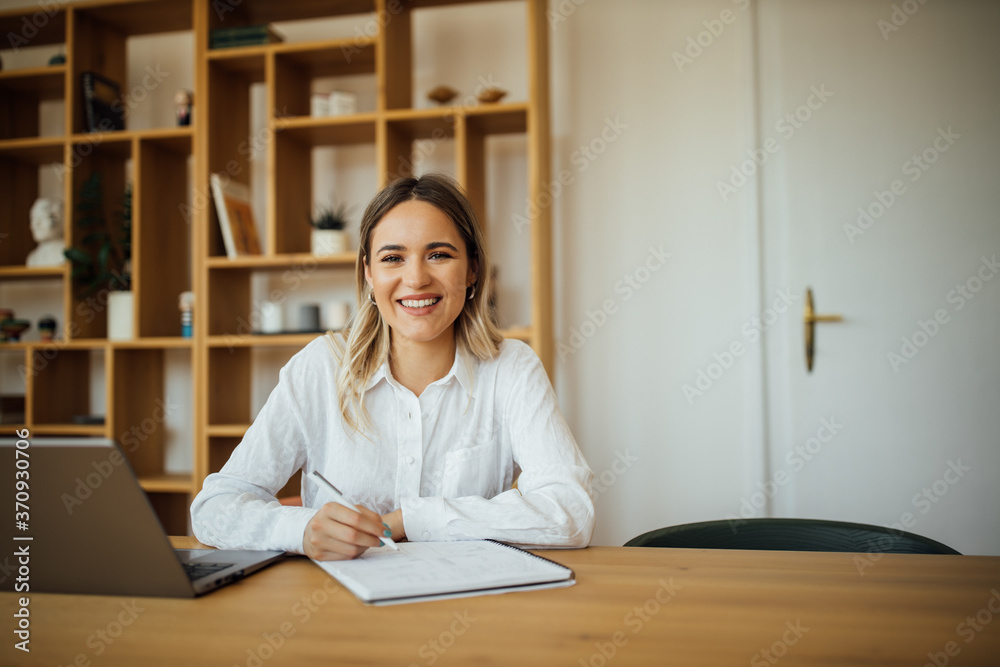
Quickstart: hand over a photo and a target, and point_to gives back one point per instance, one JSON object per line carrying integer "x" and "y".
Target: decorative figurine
{"x": 489, "y": 95}
{"x": 186, "y": 305}
{"x": 183, "y": 99}
{"x": 14, "y": 328}
{"x": 442, "y": 94}
{"x": 47, "y": 328}
{"x": 47, "y": 230}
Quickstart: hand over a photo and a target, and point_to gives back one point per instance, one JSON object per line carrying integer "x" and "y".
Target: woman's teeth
{"x": 422, "y": 303}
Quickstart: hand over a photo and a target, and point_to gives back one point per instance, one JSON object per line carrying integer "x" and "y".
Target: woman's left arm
{"x": 551, "y": 506}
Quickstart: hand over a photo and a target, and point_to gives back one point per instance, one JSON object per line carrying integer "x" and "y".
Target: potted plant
{"x": 103, "y": 260}
{"x": 328, "y": 235}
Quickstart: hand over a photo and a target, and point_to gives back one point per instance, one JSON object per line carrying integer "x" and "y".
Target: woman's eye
{"x": 440, "y": 255}
{"x": 391, "y": 259}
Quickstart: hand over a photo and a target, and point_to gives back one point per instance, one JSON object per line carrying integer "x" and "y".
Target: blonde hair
{"x": 364, "y": 346}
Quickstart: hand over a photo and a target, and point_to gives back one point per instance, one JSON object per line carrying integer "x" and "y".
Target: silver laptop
{"x": 88, "y": 527}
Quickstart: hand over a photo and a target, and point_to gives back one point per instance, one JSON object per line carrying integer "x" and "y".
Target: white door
{"x": 879, "y": 125}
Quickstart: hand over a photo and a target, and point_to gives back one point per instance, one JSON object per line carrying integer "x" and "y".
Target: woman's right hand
{"x": 338, "y": 533}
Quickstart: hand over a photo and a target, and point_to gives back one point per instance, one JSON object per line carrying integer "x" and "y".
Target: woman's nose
{"x": 416, "y": 274}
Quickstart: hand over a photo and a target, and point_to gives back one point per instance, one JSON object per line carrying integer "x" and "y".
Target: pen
{"x": 338, "y": 497}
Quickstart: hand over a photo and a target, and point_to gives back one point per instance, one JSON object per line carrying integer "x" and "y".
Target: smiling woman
{"x": 436, "y": 414}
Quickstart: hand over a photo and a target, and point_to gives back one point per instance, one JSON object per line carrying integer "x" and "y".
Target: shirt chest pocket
{"x": 473, "y": 471}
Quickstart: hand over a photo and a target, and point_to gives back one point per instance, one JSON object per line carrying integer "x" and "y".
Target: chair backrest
{"x": 790, "y": 535}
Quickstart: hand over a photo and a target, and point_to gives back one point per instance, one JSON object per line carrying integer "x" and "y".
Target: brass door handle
{"x": 810, "y": 318}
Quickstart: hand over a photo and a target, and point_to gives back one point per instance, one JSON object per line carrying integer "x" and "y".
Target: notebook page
{"x": 423, "y": 568}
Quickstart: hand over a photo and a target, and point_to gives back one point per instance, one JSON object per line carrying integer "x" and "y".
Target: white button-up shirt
{"x": 448, "y": 457}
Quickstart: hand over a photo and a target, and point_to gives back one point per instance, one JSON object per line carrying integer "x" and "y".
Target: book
{"x": 102, "y": 103}
{"x": 250, "y": 35}
{"x": 422, "y": 571}
{"x": 232, "y": 204}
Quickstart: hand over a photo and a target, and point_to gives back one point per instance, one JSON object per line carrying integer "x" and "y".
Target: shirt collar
{"x": 463, "y": 370}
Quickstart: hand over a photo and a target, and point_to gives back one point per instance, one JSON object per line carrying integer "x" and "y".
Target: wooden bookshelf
{"x": 176, "y": 242}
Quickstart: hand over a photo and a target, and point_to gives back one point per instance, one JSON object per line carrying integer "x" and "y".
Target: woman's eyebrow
{"x": 396, "y": 247}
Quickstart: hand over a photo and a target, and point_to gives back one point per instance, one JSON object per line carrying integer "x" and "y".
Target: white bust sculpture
{"x": 47, "y": 230}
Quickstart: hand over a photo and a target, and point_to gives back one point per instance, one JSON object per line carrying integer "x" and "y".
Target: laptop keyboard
{"x": 196, "y": 571}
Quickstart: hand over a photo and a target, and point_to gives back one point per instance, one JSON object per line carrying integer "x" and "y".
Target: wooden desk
{"x": 641, "y": 606}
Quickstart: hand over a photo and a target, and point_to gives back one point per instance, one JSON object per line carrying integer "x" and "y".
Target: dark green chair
{"x": 790, "y": 535}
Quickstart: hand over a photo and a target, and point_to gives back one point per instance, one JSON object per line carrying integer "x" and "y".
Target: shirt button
{"x": 409, "y": 460}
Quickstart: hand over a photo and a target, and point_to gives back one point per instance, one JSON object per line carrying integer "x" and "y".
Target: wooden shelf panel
{"x": 36, "y": 150}
{"x": 329, "y": 130}
{"x": 518, "y": 333}
{"x": 153, "y": 343}
{"x": 143, "y": 18}
{"x": 68, "y": 429}
{"x": 330, "y": 58}
{"x": 279, "y": 262}
{"x": 499, "y": 118}
{"x": 167, "y": 483}
{"x": 227, "y": 430}
{"x": 262, "y": 340}
{"x": 250, "y": 62}
{"x": 8, "y": 273}
{"x": 47, "y": 83}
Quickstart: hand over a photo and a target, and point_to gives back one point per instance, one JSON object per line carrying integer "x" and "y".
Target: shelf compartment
{"x": 229, "y": 375}
{"x": 253, "y": 13}
{"x": 141, "y": 412}
{"x": 141, "y": 18}
{"x": 20, "y": 161}
{"x": 161, "y": 236}
{"x": 298, "y": 66}
{"x": 21, "y": 95}
{"x": 60, "y": 383}
{"x": 51, "y": 31}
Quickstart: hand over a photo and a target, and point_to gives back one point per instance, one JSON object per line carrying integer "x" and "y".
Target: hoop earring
{"x": 469, "y": 297}
{"x": 371, "y": 297}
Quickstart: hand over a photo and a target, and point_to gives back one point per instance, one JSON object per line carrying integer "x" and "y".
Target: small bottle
{"x": 186, "y": 305}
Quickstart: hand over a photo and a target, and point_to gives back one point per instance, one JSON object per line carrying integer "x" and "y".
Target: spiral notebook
{"x": 422, "y": 571}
